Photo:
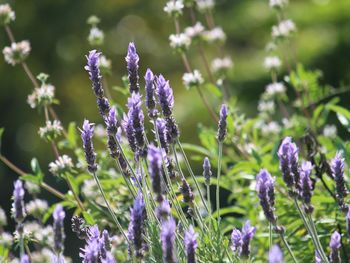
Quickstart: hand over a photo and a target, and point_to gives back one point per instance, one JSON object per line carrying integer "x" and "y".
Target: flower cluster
{"x": 51, "y": 131}
{"x": 17, "y": 52}
{"x": 6, "y": 14}
{"x": 42, "y": 96}
{"x": 62, "y": 165}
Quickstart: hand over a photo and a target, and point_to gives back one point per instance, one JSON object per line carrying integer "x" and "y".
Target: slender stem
{"x": 52, "y": 190}
{"x": 218, "y": 183}
{"x": 192, "y": 174}
{"x": 209, "y": 206}
{"x": 288, "y": 247}
{"x": 270, "y": 236}
{"x": 30, "y": 74}
{"x": 10, "y": 34}
{"x": 127, "y": 180}
{"x": 76, "y": 197}
{"x": 115, "y": 219}
{"x": 206, "y": 103}
{"x": 21, "y": 244}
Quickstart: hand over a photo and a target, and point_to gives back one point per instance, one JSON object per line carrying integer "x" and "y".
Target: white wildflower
{"x": 330, "y": 131}
{"x": 52, "y": 130}
{"x": 278, "y": 3}
{"x": 105, "y": 64}
{"x": 271, "y": 128}
{"x": 6, "y": 239}
{"x": 283, "y": 29}
{"x": 194, "y": 31}
{"x": 180, "y": 41}
{"x": 37, "y": 207}
{"x": 6, "y": 14}
{"x": 217, "y": 34}
{"x": 32, "y": 188}
{"x": 221, "y": 64}
{"x": 61, "y": 165}
{"x": 192, "y": 79}
{"x": 266, "y": 106}
{"x": 205, "y": 5}
{"x": 272, "y": 63}
{"x": 96, "y": 36}
{"x": 43, "y": 256}
{"x": 276, "y": 88}
{"x": 17, "y": 52}
{"x": 174, "y": 7}
{"x": 90, "y": 191}
{"x": 287, "y": 123}
{"x": 100, "y": 131}
{"x": 41, "y": 96}
{"x": 3, "y": 219}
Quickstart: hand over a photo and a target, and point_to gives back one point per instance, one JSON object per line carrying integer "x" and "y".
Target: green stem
{"x": 218, "y": 183}
{"x": 209, "y": 206}
{"x": 288, "y": 247}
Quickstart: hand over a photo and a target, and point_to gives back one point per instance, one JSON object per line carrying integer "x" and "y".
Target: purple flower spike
{"x": 288, "y": 155}
{"x": 222, "y": 127}
{"x": 163, "y": 134}
{"x": 112, "y": 122}
{"x": 165, "y": 96}
{"x": 25, "y": 259}
{"x": 132, "y": 61}
{"x": 93, "y": 69}
{"x": 90, "y": 155}
{"x": 190, "y": 241}
{"x": 58, "y": 259}
{"x": 247, "y": 235}
{"x": 207, "y": 170}
{"x": 306, "y": 186}
{"x": 348, "y": 222}
{"x": 163, "y": 210}
{"x": 129, "y": 132}
{"x": 18, "y": 208}
{"x": 58, "y": 228}
{"x": 137, "y": 119}
{"x": 275, "y": 255}
{"x": 167, "y": 236}
{"x": 155, "y": 169}
{"x": 150, "y": 99}
{"x": 187, "y": 193}
{"x": 338, "y": 174}
{"x": 266, "y": 193}
{"x": 136, "y": 226}
{"x": 91, "y": 252}
{"x": 236, "y": 241}
{"x": 335, "y": 244}
{"x": 317, "y": 258}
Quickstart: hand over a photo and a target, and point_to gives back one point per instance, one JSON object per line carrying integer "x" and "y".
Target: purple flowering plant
{"x": 270, "y": 188}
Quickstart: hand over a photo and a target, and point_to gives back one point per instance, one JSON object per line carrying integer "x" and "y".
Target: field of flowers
{"x": 271, "y": 187}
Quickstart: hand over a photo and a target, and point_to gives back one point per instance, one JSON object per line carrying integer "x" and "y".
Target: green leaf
{"x": 196, "y": 148}
{"x": 73, "y": 182}
{"x": 88, "y": 218}
{"x": 72, "y": 135}
{"x": 213, "y": 89}
{"x": 37, "y": 170}
{"x": 342, "y": 114}
{"x": 31, "y": 178}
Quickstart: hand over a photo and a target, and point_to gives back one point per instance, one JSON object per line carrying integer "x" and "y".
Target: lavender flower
{"x": 266, "y": 193}
{"x": 103, "y": 106}
{"x": 18, "y": 208}
{"x": 132, "y": 60}
{"x": 136, "y": 226}
{"x": 129, "y": 132}
{"x": 150, "y": 99}
{"x": 207, "y": 170}
{"x": 247, "y": 235}
{"x": 58, "y": 224}
{"x": 25, "y": 259}
{"x": 190, "y": 241}
{"x": 163, "y": 210}
{"x": 90, "y": 155}
{"x": 106, "y": 240}
{"x": 338, "y": 174}
{"x": 236, "y": 241}
{"x": 93, "y": 69}
{"x": 112, "y": 122}
{"x": 187, "y": 193}
{"x": 57, "y": 259}
{"x": 317, "y": 257}
{"x": 155, "y": 169}
{"x": 167, "y": 236}
{"x": 172, "y": 128}
{"x": 335, "y": 244}
{"x": 163, "y": 134}
{"x": 222, "y": 127}
{"x": 275, "y": 255}
{"x": 288, "y": 155}
{"x": 90, "y": 253}
{"x": 165, "y": 96}
{"x": 306, "y": 186}
{"x": 348, "y": 222}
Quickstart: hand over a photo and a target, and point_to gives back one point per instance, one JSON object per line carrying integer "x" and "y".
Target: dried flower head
{"x": 17, "y": 52}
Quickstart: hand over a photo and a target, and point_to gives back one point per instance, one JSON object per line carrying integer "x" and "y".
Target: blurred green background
{"x": 58, "y": 34}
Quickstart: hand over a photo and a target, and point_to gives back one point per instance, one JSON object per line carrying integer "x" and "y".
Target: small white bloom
{"x": 180, "y": 41}
{"x": 194, "y": 31}
{"x": 274, "y": 89}
{"x": 6, "y": 14}
{"x": 272, "y": 63}
{"x": 174, "y": 7}
{"x": 3, "y": 219}
{"x": 62, "y": 164}
{"x": 278, "y": 3}
{"x": 205, "y": 5}
{"x": 41, "y": 96}
{"x": 6, "y": 239}
{"x": 192, "y": 79}
{"x": 330, "y": 131}
{"x": 217, "y": 34}
{"x": 100, "y": 131}
{"x": 96, "y": 36}
{"x": 271, "y": 128}
{"x": 221, "y": 64}
{"x": 266, "y": 106}
{"x": 283, "y": 29}
{"x": 52, "y": 130}
{"x": 17, "y": 52}
{"x": 105, "y": 64}
{"x": 32, "y": 188}
{"x": 43, "y": 256}
{"x": 287, "y": 123}
{"x": 90, "y": 191}
{"x": 37, "y": 207}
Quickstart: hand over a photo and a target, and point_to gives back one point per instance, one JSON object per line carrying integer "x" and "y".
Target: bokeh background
{"x": 58, "y": 34}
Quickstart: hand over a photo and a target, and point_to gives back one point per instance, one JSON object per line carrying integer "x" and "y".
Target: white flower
{"x": 6, "y": 239}
{"x": 62, "y": 164}
{"x": 37, "y": 207}
{"x": 266, "y": 106}
{"x": 221, "y": 64}
{"x": 330, "y": 131}
{"x": 287, "y": 123}
{"x": 42, "y": 234}
{"x": 17, "y": 52}
{"x": 43, "y": 256}
{"x": 32, "y": 188}
{"x": 41, "y": 96}
{"x": 275, "y": 88}
{"x": 3, "y": 219}
{"x": 52, "y": 130}
{"x": 283, "y": 29}
{"x": 90, "y": 191}
{"x": 271, "y": 128}
{"x": 105, "y": 64}
{"x": 278, "y": 3}
{"x": 194, "y": 31}
{"x": 272, "y": 63}
{"x": 217, "y": 34}
{"x": 174, "y": 7}
{"x": 205, "y": 5}
{"x": 100, "y": 131}
{"x": 192, "y": 79}
{"x": 180, "y": 41}
{"x": 96, "y": 36}
{"x": 6, "y": 14}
